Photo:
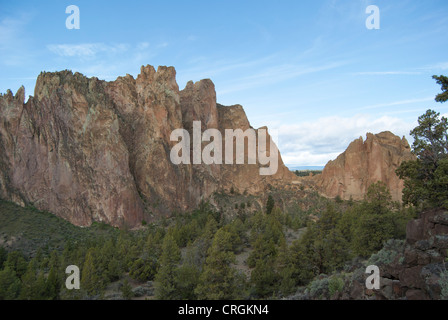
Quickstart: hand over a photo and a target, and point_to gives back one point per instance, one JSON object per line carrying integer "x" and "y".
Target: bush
{"x": 319, "y": 288}
{"x": 335, "y": 285}
{"x": 388, "y": 253}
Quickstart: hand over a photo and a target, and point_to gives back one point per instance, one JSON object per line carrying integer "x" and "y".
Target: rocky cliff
{"x": 363, "y": 163}
{"x": 90, "y": 150}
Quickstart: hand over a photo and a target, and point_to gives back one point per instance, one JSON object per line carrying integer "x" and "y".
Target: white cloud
{"x": 317, "y": 142}
{"x": 85, "y": 49}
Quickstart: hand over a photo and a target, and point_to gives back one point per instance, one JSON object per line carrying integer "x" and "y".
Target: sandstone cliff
{"x": 90, "y": 150}
{"x": 363, "y": 163}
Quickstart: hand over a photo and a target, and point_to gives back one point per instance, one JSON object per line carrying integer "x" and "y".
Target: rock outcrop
{"x": 416, "y": 269}
{"x": 90, "y": 150}
{"x": 363, "y": 163}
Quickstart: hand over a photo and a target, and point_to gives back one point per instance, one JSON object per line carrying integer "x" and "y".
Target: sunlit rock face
{"x": 366, "y": 162}
{"x": 90, "y": 150}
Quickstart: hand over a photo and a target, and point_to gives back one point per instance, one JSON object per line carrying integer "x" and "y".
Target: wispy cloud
{"x": 415, "y": 71}
{"x": 397, "y": 103}
{"x": 211, "y": 69}
{"x": 276, "y": 74}
{"x": 86, "y": 50}
{"x": 436, "y": 66}
{"x": 14, "y": 44}
{"x": 316, "y": 142}
{"x": 386, "y": 73}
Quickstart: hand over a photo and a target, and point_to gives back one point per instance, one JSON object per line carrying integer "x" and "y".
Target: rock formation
{"x": 90, "y": 150}
{"x": 363, "y": 163}
{"x": 415, "y": 272}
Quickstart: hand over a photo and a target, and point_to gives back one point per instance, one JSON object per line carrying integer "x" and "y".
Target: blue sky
{"x": 309, "y": 70}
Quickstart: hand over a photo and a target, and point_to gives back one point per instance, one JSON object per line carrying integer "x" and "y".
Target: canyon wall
{"x": 91, "y": 150}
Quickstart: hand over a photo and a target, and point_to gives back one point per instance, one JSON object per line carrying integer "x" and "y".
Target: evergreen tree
{"x": 165, "y": 279}
{"x": 90, "y": 280}
{"x": 187, "y": 279}
{"x": 53, "y": 284}
{"x": 126, "y": 290}
{"x": 264, "y": 249}
{"x": 29, "y": 280}
{"x": 218, "y": 279}
{"x": 285, "y": 269}
{"x": 426, "y": 178}
{"x": 9, "y": 284}
{"x": 41, "y": 286}
{"x": 264, "y": 277}
{"x": 322, "y": 248}
{"x": 443, "y": 81}
{"x": 17, "y": 263}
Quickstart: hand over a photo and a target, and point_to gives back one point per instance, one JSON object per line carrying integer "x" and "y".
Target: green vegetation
{"x": 426, "y": 178}
{"x": 306, "y": 173}
{"x": 250, "y": 249}
{"x": 195, "y": 255}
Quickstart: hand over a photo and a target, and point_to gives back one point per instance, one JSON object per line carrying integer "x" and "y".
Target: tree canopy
{"x": 426, "y": 178}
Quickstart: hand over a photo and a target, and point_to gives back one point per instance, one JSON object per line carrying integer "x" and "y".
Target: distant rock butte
{"x": 90, "y": 150}
{"x": 363, "y": 163}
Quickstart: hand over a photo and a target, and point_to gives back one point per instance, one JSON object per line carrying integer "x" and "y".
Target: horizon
{"x": 312, "y": 72}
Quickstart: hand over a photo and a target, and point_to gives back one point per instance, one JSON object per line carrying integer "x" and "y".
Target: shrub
{"x": 335, "y": 285}
{"x": 319, "y": 288}
{"x": 388, "y": 253}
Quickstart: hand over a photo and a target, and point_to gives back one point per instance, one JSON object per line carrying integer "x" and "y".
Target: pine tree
{"x": 17, "y": 263}
{"x": 9, "y": 284}
{"x": 426, "y": 178}
{"x": 29, "y": 280}
{"x": 187, "y": 279}
{"x": 285, "y": 269}
{"x": 264, "y": 277}
{"x": 53, "y": 285}
{"x": 90, "y": 280}
{"x": 218, "y": 279}
{"x": 126, "y": 290}
{"x": 165, "y": 278}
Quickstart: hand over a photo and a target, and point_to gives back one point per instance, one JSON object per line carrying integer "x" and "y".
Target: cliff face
{"x": 90, "y": 150}
{"x": 363, "y": 163}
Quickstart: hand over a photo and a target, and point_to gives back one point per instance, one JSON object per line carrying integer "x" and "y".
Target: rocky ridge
{"x": 363, "y": 163}
{"x": 90, "y": 150}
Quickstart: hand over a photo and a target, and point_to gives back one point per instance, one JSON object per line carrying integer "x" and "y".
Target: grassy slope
{"x": 28, "y": 229}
